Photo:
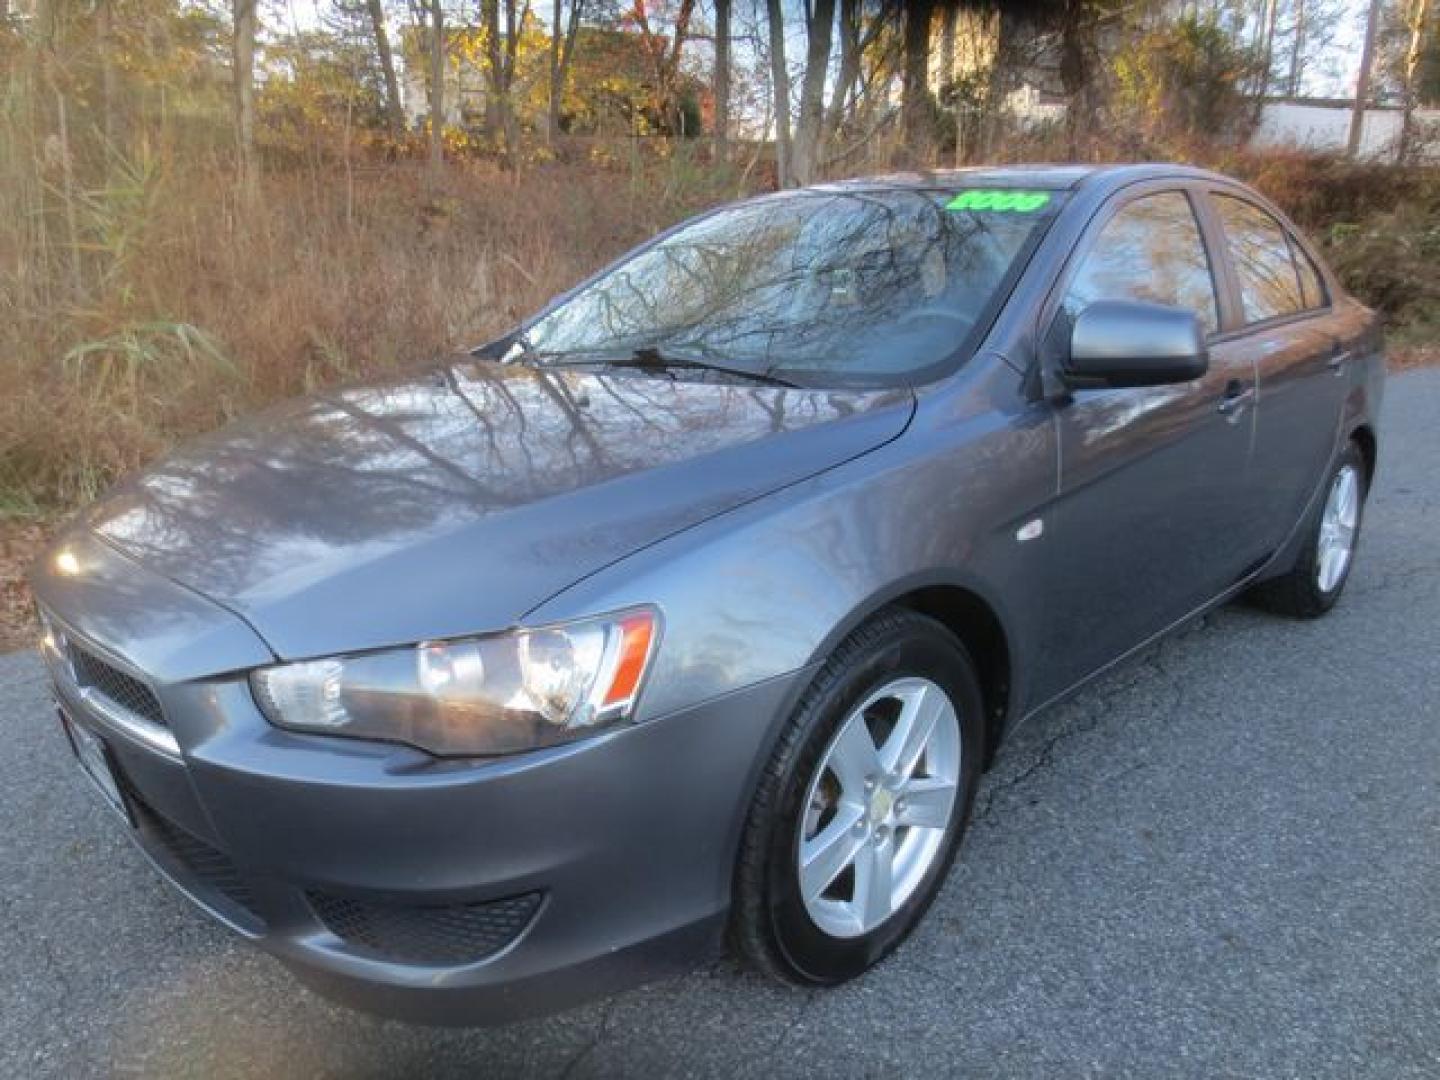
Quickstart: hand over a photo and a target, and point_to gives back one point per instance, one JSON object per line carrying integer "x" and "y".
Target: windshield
{"x": 817, "y": 287}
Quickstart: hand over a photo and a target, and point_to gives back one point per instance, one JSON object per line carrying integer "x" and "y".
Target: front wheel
{"x": 860, "y": 811}
{"x": 1313, "y": 585}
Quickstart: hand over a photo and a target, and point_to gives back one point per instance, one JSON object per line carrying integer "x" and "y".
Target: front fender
{"x": 769, "y": 588}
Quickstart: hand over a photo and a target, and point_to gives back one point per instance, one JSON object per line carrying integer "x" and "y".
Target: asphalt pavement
{"x": 1222, "y": 859}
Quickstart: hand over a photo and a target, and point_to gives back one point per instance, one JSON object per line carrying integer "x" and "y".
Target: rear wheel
{"x": 860, "y": 811}
{"x": 1314, "y": 583}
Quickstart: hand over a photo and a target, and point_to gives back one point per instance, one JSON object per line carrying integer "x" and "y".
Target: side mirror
{"x": 1117, "y": 343}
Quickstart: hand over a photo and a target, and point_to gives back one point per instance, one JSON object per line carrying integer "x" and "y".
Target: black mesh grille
{"x": 110, "y": 682}
{"x": 208, "y": 868}
{"x": 452, "y": 934}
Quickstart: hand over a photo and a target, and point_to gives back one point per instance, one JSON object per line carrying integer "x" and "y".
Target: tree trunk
{"x": 1074, "y": 73}
{"x": 394, "y": 114}
{"x": 562, "y": 46}
{"x": 1297, "y": 49}
{"x": 780, "y": 76}
{"x": 807, "y": 149}
{"x": 1417, "y": 16}
{"x": 490, "y": 24}
{"x": 916, "y": 90}
{"x": 501, "y": 45}
{"x": 437, "y": 89}
{"x": 243, "y": 73}
{"x": 1267, "y": 52}
{"x": 1362, "y": 81}
{"x": 851, "y": 54}
{"x": 949, "y": 17}
{"x": 552, "y": 101}
{"x": 722, "y": 78}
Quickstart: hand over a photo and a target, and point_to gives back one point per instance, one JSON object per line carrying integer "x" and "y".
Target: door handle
{"x": 1336, "y": 362}
{"x": 1237, "y": 395}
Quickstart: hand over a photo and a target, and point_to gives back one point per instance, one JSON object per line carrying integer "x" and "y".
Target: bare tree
{"x": 1362, "y": 81}
{"x": 562, "y": 47}
{"x": 435, "y": 9}
{"x": 855, "y": 40}
{"x": 780, "y": 78}
{"x": 665, "y": 57}
{"x": 1297, "y": 50}
{"x": 722, "y": 78}
{"x": 1271, "y": 14}
{"x": 394, "y": 115}
{"x": 243, "y": 76}
{"x": 502, "y": 46}
{"x": 916, "y": 89}
{"x": 819, "y": 29}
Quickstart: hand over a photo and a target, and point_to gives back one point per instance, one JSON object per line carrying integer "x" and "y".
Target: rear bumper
{"x": 456, "y": 892}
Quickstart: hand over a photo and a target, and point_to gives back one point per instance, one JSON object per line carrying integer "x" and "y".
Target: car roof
{"x": 1049, "y": 177}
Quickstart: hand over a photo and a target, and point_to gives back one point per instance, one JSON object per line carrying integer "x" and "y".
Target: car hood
{"x": 456, "y": 500}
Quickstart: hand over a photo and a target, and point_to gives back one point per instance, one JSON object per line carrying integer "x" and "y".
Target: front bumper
{"x": 459, "y": 892}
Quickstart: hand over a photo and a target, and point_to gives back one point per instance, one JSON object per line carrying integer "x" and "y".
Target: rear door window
{"x": 1260, "y": 251}
{"x": 1150, "y": 250}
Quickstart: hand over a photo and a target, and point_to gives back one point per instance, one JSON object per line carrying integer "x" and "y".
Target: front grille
{"x": 118, "y": 687}
{"x": 212, "y": 871}
{"x": 80, "y": 668}
{"x": 449, "y": 934}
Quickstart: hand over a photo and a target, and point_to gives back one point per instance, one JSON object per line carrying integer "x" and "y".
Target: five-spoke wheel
{"x": 878, "y": 806}
{"x": 1313, "y": 581}
{"x": 1339, "y": 523}
{"x": 861, "y": 808}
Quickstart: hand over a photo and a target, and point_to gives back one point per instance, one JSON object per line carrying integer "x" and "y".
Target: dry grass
{"x": 179, "y": 308}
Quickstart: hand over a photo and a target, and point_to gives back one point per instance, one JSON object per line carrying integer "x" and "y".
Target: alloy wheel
{"x": 879, "y": 806}
{"x": 1338, "y": 524}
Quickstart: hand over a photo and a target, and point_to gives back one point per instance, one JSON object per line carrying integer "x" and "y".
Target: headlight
{"x": 486, "y": 695}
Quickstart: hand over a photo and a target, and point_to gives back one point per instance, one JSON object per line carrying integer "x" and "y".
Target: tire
{"x": 917, "y": 667}
{"x": 1312, "y": 586}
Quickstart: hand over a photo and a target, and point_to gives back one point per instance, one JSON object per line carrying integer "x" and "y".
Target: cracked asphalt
{"x": 1222, "y": 859}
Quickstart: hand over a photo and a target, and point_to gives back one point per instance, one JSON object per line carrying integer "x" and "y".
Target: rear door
{"x": 1152, "y": 479}
{"x": 1281, "y": 316}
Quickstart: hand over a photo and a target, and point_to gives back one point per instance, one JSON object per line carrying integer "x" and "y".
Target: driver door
{"x": 1152, "y": 478}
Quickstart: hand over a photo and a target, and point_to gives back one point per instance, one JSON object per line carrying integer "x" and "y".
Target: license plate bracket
{"x": 97, "y": 762}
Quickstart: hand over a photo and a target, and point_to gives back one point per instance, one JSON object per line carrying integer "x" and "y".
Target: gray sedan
{"x": 691, "y": 610}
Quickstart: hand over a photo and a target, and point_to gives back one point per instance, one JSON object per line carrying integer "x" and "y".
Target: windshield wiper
{"x": 649, "y": 358}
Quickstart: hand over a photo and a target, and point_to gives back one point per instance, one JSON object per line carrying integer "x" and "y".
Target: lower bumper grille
{"x": 206, "y": 872}
{"x": 449, "y": 934}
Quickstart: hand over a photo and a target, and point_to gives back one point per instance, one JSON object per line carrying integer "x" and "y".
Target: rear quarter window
{"x": 1312, "y": 286}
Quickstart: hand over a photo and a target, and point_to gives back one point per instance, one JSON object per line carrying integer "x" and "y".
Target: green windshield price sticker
{"x": 1023, "y": 202}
